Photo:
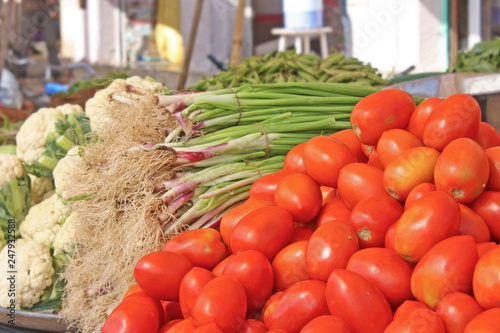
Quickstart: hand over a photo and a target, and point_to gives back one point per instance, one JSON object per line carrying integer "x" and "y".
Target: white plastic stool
{"x": 305, "y": 35}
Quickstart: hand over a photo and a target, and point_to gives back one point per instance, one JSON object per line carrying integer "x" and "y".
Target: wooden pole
{"x": 453, "y": 33}
{"x": 192, "y": 37}
{"x": 238, "y": 33}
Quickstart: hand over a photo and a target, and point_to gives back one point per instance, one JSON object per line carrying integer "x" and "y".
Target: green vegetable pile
{"x": 95, "y": 82}
{"x": 288, "y": 66}
{"x": 484, "y": 57}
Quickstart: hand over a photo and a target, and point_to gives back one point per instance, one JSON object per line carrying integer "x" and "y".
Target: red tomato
{"x": 168, "y": 325}
{"x": 208, "y": 328}
{"x": 274, "y": 297}
{"x": 348, "y": 137}
{"x": 277, "y": 330}
{"x": 220, "y": 267}
{"x": 486, "y": 322}
{"x": 366, "y": 149}
{"x": 488, "y": 136}
{"x": 493, "y": 155}
{"x": 203, "y": 247}
{"x": 374, "y": 114}
{"x": 135, "y": 314}
{"x": 191, "y": 286}
{"x": 371, "y": 217}
{"x": 432, "y": 218}
{"x": 160, "y": 274}
{"x": 336, "y": 209}
{"x": 298, "y": 305}
{"x": 484, "y": 247}
{"x": 357, "y": 301}
{"x": 330, "y": 247}
{"x": 411, "y": 168}
{"x": 420, "y": 115}
{"x": 300, "y": 233}
{"x": 300, "y": 195}
{"x": 456, "y": 310}
{"x": 233, "y": 216}
{"x": 419, "y": 321}
{"x": 446, "y": 268}
{"x": 267, "y": 229}
{"x": 472, "y": 224}
{"x": 184, "y": 326}
{"x": 266, "y": 185}
{"x": 389, "y": 236}
{"x": 172, "y": 310}
{"x": 394, "y": 142}
{"x": 254, "y": 272}
{"x": 324, "y": 157}
{"x": 289, "y": 265}
{"x": 457, "y": 116}
{"x": 294, "y": 162}
{"x": 133, "y": 289}
{"x": 222, "y": 301}
{"x": 386, "y": 270}
{"x": 417, "y": 192}
{"x": 487, "y": 205}
{"x": 462, "y": 170}
{"x": 408, "y": 306}
{"x": 358, "y": 181}
{"x": 326, "y": 324}
{"x": 252, "y": 326}
{"x": 327, "y": 193}
{"x": 374, "y": 160}
{"x": 486, "y": 280}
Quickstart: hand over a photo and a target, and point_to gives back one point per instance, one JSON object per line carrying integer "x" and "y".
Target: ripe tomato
{"x": 203, "y": 247}
{"x": 324, "y": 157}
{"x": 208, "y": 328}
{"x": 357, "y": 301}
{"x": 418, "y": 321}
{"x": 277, "y": 330}
{"x": 417, "y": 192}
{"x": 222, "y": 301}
{"x": 373, "y": 114}
{"x": 298, "y": 305}
{"x": 487, "y": 205}
{"x": 472, "y": 224}
{"x": 394, "y": 142}
{"x": 486, "y": 280}
{"x": 336, "y": 209}
{"x": 389, "y": 236}
{"x": 348, "y": 137}
{"x": 374, "y": 159}
{"x": 187, "y": 325}
{"x": 366, "y": 149}
{"x": 301, "y": 233}
{"x": 267, "y": 229}
{"x": 253, "y": 326}
{"x": 160, "y": 274}
{"x": 446, "y": 268}
{"x": 419, "y": 117}
{"x": 408, "y": 306}
{"x": 274, "y": 297}
{"x": 457, "y": 116}
{"x": 254, "y": 272}
{"x": 266, "y": 185}
{"x": 327, "y": 193}
{"x": 326, "y": 324}
{"x": 233, "y": 216}
{"x": 300, "y": 195}
{"x": 386, "y": 270}
{"x": 358, "y": 181}
{"x": 432, "y": 218}
{"x": 371, "y": 217}
{"x": 493, "y": 155}
{"x": 289, "y": 265}
{"x": 488, "y": 136}
{"x": 411, "y": 168}
{"x": 330, "y": 247}
{"x": 294, "y": 162}
{"x": 191, "y": 286}
{"x": 462, "y": 170}
{"x": 220, "y": 267}
{"x": 486, "y": 322}
{"x": 172, "y": 310}
{"x": 135, "y": 314}
{"x": 133, "y": 289}
{"x": 456, "y": 310}
{"x": 484, "y": 247}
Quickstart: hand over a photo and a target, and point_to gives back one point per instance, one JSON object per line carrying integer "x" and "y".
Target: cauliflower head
{"x": 11, "y": 168}
{"x": 34, "y": 273}
{"x": 65, "y": 240}
{"x": 148, "y": 84}
{"x": 40, "y": 186}
{"x": 64, "y": 169}
{"x": 31, "y": 140}
{"x": 44, "y": 220}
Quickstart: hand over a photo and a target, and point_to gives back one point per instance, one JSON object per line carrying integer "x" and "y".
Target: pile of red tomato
{"x": 392, "y": 226}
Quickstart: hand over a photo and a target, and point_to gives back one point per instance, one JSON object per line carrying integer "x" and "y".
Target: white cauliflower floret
{"x": 63, "y": 169}
{"x": 31, "y": 139}
{"x": 11, "y": 168}
{"x": 44, "y": 220}
{"x": 34, "y": 273}
{"x": 65, "y": 240}
{"x": 146, "y": 84}
{"x": 40, "y": 186}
